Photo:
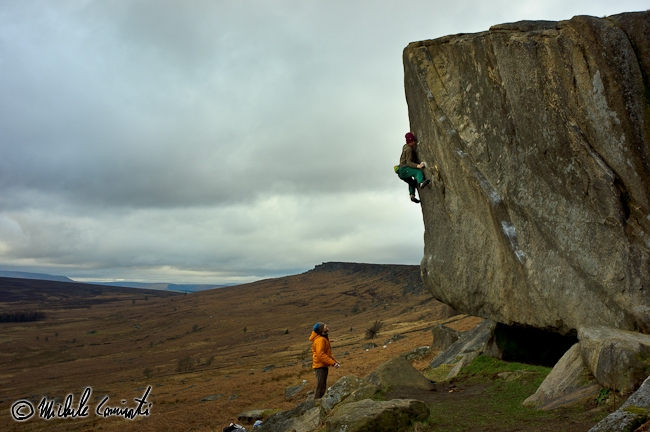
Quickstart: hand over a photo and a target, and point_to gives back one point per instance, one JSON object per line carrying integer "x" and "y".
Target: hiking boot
{"x": 425, "y": 183}
{"x": 414, "y": 199}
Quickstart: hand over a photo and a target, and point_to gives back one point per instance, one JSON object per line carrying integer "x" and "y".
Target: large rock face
{"x": 536, "y": 137}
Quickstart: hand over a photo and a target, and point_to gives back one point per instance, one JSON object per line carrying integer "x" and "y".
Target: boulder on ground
{"x": 304, "y": 417}
{"x": 292, "y": 392}
{"x": 581, "y": 395}
{"x": 341, "y": 390}
{"x": 568, "y": 383}
{"x": 416, "y": 353}
{"x": 632, "y": 414}
{"x": 464, "y": 360}
{"x": 618, "y": 359}
{"x": 378, "y": 416}
{"x": 398, "y": 372}
{"x": 212, "y": 397}
{"x": 476, "y": 340}
{"x": 536, "y": 139}
{"x": 443, "y": 337}
{"x": 366, "y": 392}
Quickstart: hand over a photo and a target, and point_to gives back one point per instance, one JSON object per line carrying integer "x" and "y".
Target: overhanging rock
{"x": 536, "y": 138}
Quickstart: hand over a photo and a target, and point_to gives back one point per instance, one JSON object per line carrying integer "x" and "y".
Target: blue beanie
{"x": 318, "y": 327}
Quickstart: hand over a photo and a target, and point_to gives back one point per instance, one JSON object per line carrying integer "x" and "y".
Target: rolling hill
{"x": 207, "y": 356}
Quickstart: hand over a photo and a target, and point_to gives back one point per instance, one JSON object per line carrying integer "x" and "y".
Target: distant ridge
{"x": 40, "y": 276}
{"x": 164, "y": 286}
{"x": 160, "y": 286}
{"x": 395, "y": 273}
{"x": 68, "y": 294}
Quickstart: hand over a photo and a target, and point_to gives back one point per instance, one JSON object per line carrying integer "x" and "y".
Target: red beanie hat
{"x": 410, "y": 137}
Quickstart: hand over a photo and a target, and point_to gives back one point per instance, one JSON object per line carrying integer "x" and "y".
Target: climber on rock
{"x": 410, "y": 167}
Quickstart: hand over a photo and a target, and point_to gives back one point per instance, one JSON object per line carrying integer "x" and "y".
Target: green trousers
{"x": 412, "y": 176}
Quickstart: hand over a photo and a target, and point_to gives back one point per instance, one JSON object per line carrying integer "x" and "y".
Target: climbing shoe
{"x": 414, "y": 199}
{"x": 425, "y": 183}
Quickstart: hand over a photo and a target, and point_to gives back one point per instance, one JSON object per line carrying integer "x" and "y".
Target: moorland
{"x": 211, "y": 355}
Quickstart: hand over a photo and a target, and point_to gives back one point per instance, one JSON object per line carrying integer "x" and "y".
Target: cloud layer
{"x": 215, "y": 142}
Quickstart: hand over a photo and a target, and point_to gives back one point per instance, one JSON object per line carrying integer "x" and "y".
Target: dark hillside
{"x": 406, "y": 275}
{"x": 66, "y": 294}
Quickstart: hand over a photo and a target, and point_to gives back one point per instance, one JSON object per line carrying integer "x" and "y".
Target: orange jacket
{"x": 321, "y": 351}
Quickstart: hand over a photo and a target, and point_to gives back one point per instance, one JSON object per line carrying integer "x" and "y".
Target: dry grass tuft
{"x": 373, "y": 331}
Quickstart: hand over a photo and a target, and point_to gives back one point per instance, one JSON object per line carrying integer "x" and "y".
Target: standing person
{"x": 322, "y": 357}
{"x": 410, "y": 167}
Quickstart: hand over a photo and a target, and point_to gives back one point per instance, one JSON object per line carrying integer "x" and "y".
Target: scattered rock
{"x": 463, "y": 360}
{"x": 472, "y": 341}
{"x": 443, "y": 337}
{"x": 367, "y": 392}
{"x": 615, "y": 355}
{"x": 268, "y": 368}
{"x": 304, "y": 417}
{"x": 292, "y": 392}
{"x": 341, "y": 390}
{"x": 398, "y": 372}
{"x": 567, "y": 383}
{"x": 212, "y": 397}
{"x": 632, "y": 414}
{"x": 369, "y": 345}
{"x": 416, "y": 353}
{"x": 378, "y": 416}
{"x": 581, "y": 395}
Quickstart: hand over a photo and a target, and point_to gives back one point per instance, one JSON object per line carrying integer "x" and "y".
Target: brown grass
{"x": 119, "y": 346}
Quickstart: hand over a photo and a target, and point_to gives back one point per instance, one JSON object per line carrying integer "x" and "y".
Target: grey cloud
{"x": 274, "y": 234}
{"x": 155, "y": 138}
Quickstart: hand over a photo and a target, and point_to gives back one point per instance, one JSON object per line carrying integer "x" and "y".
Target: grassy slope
{"x": 118, "y": 343}
{"x": 482, "y": 400}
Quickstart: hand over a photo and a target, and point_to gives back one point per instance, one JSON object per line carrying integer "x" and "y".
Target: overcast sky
{"x": 216, "y": 141}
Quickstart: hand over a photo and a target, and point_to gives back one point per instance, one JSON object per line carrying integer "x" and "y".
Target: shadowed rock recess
{"x": 536, "y": 139}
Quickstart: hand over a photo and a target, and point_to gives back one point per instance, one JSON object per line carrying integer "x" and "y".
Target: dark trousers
{"x": 412, "y": 176}
{"x": 321, "y": 381}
